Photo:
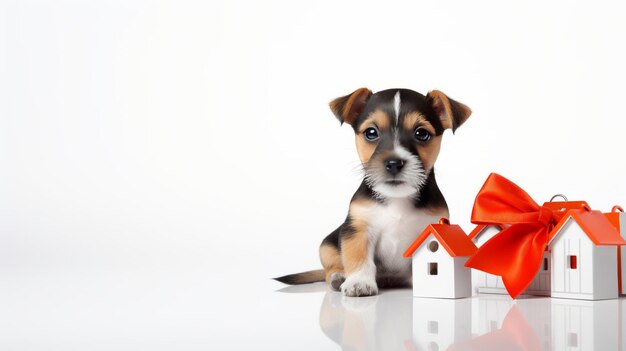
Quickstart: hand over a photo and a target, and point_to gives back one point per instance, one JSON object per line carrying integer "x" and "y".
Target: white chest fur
{"x": 394, "y": 225}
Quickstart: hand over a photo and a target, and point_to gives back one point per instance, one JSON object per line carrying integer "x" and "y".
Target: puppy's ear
{"x": 452, "y": 113}
{"x": 347, "y": 108}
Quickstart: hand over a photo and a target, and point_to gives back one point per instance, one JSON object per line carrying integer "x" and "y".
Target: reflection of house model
{"x": 499, "y": 323}
{"x": 590, "y": 325}
{"x": 440, "y": 323}
{"x": 439, "y": 255}
{"x": 582, "y": 260}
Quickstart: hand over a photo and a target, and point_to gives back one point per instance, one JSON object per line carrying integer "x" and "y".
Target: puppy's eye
{"x": 371, "y": 134}
{"x": 422, "y": 135}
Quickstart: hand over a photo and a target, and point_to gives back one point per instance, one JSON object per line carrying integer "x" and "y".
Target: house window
{"x": 545, "y": 264}
{"x": 573, "y": 261}
{"x": 433, "y": 327}
{"x": 432, "y": 268}
{"x": 433, "y": 246}
{"x": 572, "y": 339}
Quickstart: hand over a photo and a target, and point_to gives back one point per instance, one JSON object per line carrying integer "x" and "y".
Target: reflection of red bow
{"x": 515, "y": 334}
{"x": 517, "y": 251}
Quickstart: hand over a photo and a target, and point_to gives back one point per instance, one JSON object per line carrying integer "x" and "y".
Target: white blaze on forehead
{"x": 396, "y": 105}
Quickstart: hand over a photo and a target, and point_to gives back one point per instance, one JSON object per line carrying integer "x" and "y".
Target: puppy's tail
{"x": 303, "y": 278}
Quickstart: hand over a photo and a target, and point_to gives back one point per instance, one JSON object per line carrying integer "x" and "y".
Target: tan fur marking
{"x": 364, "y": 147}
{"x": 347, "y": 108}
{"x": 413, "y": 120}
{"x": 331, "y": 260}
{"x": 378, "y": 119}
{"x": 354, "y": 248}
{"x": 429, "y": 151}
{"x": 360, "y": 208}
{"x": 443, "y": 106}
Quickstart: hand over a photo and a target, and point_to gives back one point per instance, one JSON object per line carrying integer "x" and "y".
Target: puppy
{"x": 398, "y": 137}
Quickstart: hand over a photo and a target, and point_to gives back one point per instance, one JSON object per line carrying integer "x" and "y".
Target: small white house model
{"x": 439, "y": 254}
{"x": 583, "y": 247}
{"x": 483, "y": 282}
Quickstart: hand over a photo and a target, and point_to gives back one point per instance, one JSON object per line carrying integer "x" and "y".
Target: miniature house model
{"x": 581, "y": 260}
{"x": 487, "y": 283}
{"x": 483, "y": 282}
{"x": 439, "y": 255}
{"x": 555, "y": 267}
{"x": 583, "y": 248}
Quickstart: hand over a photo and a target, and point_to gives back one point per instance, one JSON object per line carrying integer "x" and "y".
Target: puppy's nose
{"x": 394, "y": 165}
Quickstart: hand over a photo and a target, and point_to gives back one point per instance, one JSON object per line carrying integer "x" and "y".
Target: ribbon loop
{"x": 517, "y": 251}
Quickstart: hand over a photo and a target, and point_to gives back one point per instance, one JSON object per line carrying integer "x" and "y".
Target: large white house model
{"x": 439, "y": 255}
{"x": 583, "y": 248}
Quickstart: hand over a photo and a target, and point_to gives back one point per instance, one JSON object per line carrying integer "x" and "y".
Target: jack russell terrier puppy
{"x": 398, "y": 138}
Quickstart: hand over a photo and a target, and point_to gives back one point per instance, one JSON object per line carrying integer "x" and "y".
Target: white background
{"x": 160, "y": 161}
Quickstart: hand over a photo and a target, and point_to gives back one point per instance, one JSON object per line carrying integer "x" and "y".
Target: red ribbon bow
{"x": 516, "y": 252}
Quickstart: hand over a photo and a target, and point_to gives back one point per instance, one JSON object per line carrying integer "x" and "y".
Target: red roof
{"x": 594, "y": 223}
{"x": 614, "y": 216}
{"x": 450, "y": 236}
{"x": 479, "y": 229}
{"x": 565, "y": 205}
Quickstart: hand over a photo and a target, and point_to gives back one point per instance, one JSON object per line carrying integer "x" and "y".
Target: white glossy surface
{"x": 396, "y": 321}
{"x": 166, "y": 312}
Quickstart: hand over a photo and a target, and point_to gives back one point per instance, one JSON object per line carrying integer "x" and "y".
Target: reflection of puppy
{"x": 375, "y": 323}
{"x": 398, "y": 137}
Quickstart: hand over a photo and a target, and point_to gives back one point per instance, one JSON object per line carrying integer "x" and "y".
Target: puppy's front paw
{"x": 336, "y": 279}
{"x": 359, "y": 286}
